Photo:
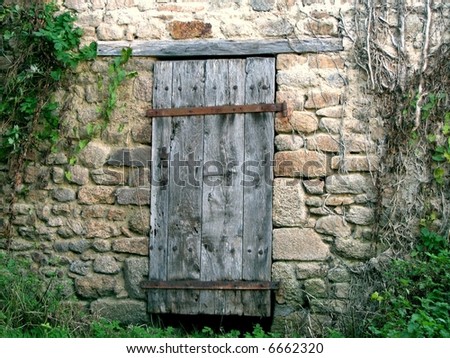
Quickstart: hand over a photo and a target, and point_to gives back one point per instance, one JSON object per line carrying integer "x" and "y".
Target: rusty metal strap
{"x": 232, "y": 109}
{"x": 210, "y": 285}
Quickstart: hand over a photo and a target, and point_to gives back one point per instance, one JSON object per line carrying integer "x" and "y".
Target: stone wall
{"x": 88, "y": 223}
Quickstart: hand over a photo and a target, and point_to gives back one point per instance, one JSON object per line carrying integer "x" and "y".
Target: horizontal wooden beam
{"x": 231, "y": 109}
{"x": 213, "y": 48}
{"x": 210, "y": 285}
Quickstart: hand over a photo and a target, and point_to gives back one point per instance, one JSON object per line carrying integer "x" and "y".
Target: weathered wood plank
{"x": 208, "y": 48}
{"x": 211, "y": 285}
{"x": 185, "y": 199}
{"x": 260, "y": 88}
{"x": 222, "y": 194}
{"x": 161, "y": 130}
{"x": 219, "y": 109}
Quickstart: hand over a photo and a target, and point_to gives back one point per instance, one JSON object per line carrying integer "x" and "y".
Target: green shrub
{"x": 416, "y": 302}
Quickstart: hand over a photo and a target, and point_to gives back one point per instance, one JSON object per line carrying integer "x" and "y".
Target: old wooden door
{"x": 211, "y": 201}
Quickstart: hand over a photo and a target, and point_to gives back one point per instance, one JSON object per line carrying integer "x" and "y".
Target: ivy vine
{"x": 40, "y": 48}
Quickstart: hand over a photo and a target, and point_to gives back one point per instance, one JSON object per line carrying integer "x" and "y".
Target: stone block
{"x": 349, "y": 184}
{"x": 299, "y": 244}
{"x": 339, "y": 274}
{"x": 322, "y": 27}
{"x": 142, "y": 88}
{"x": 55, "y": 221}
{"x": 360, "y": 215}
{"x": 297, "y": 78}
{"x": 288, "y": 203}
{"x": 341, "y": 290}
{"x": 96, "y": 195}
{"x": 101, "y": 230}
{"x": 116, "y": 214}
{"x": 289, "y": 61}
{"x": 135, "y": 245}
{"x": 337, "y": 80}
{"x": 324, "y": 61}
{"x": 321, "y": 99}
{"x": 300, "y": 163}
{"x": 314, "y": 186}
{"x": 290, "y": 289}
{"x": 110, "y": 32}
{"x": 283, "y": 125}
{"x": 17, "y": 245}
{"x": 142, "y": 132}
{"x": 101, "y": 245}
{"x": 333, "y": 112}
{"x": 139, "y": 177}
{"x": 95, "y": 286}
{"x": 284, "y": 142}
{"x": 94, "y": 211}
{"x": 321, "y": 211}
{"x": 314, "y": 201}
{"x": 275, "y": 28}
{"x": 316, "y": 287}
{"x": 133, "y": 196}
{"x": 135, "y": 271}
{"x": 80, "y": 267}
{"x": 332, "y": 125}
{"x": 125, "y": 311}
{"x": 105, "y": 176}
{"x": 324, "y": 143}
{"x": 295, "y": 100}
{"x": 61, "y": 246}
{"x": 94, "y": 155}
{"x": 56, "y": 159}
{"x": 131, "y": 157}
{"x": 357, "y": 143}
{"x": 304, "y": 122}
{"x": 37, "y": 175}
{"x": 333, "y": 225}
{"x": 305, "y": 270}
{"x": 79, "y": 246}
{"x": 139, "y": 222}
{"x": 106, "y": 264}
{"x": 63, "y": 195}
{"x": 77, "y": 174}
{"x": 355, "y": 163}
{"x": 355, "y": 249}
{"x": 262, "y": 5}
{"x": 61, "y": 209}
{"x": 77, "y": 5}
{"x": 77, "y": 226}
{"x": 58, "y": 175}
{"x": 180, "y": 30}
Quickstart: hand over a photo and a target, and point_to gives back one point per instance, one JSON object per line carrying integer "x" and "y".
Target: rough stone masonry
{"x": 88, "y": 223}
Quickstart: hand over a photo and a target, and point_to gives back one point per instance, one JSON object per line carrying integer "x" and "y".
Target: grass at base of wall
{"x": 31, "y": 307}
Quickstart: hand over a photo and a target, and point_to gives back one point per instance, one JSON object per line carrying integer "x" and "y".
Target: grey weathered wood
{"x": 260, "y": 88}
{"x": 214, "y": 232}
{"x": 185, "y": 199}
{"x": 196, "y": 48}
{"x": 222, "y": 194}
{"x": 161, "y": 130}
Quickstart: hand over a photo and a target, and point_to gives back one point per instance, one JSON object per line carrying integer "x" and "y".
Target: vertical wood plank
{"x": 159, "y": 207}
{"x": 222, "y": 193}
{"x": 257, "y": 246}
{"x": 185, "y": 199}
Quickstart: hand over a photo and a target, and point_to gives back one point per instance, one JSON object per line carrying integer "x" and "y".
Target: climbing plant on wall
{"x": 404, "y": 53}
{"x": 40, "y": 50}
